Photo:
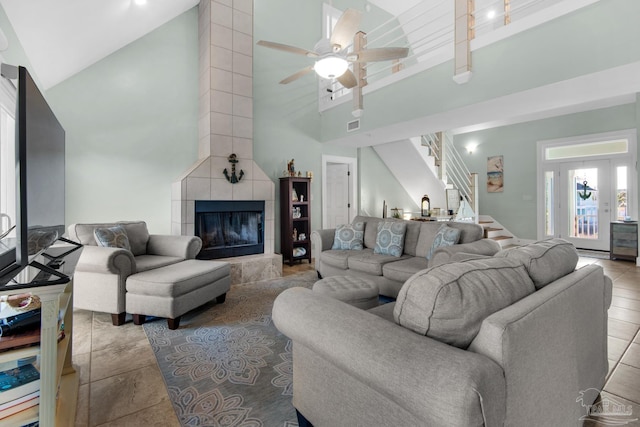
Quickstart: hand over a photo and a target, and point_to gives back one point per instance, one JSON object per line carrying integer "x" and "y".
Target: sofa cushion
{"x": 138, "y": 236}
{"x": 450, "y": 301}
{"x": 402, "y": 270}
{"x": 469, "y": 233}
{"x": 370, "y": 229}
{"x": 150, "y": 262}
{"x": 411, "y": 237}
{"x": 112, "y": 237}
{"x": 136, "y": 232}
{"x": 546, "y": 260}
{"x": 336, "y": 258}
{"x": 349, "y": 236}
{"x": 366, "y": 261}
{"x": 178, "y": 279}
{"x": 390, "y": 239}
{"x": 83, "y": 233}
{"x": 446, "y": 236}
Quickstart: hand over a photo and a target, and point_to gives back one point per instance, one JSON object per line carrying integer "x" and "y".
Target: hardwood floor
{"x": 120, "y": 384}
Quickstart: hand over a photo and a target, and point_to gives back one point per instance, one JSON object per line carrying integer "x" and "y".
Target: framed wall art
{"x": 495, "y": 174}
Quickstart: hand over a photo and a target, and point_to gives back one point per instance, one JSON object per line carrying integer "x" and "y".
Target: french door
{"x": 585, "y": 202}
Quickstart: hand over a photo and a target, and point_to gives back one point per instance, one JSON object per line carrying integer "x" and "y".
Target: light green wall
{"x": 131, "y": 122}
{"x": 371, "y": 169}
{"x": 596, "y": 37}
{"x": 516, "y": 206}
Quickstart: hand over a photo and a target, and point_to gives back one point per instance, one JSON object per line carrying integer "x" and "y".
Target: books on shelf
{"x": 18, "y": 382}
{"x": 19, "y": 404}
{"x": 19, "y": 321}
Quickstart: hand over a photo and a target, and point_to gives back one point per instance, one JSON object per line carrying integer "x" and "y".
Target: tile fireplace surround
{"x": 225, "y": 127}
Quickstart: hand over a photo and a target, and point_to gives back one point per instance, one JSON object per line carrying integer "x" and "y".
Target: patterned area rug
{"x": 227, "y": 364}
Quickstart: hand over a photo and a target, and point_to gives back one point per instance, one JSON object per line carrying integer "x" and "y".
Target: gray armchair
{"x": 101, "y": 274}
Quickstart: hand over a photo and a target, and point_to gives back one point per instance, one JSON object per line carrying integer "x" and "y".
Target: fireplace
{"x": 229, "y": 228}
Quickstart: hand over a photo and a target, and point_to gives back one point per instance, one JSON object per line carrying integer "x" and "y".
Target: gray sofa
{"x": 387, "y": 271}
{"x": 509, "y": 340}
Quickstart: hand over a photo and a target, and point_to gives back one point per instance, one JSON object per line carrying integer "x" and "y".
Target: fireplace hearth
{"x": 229, "y": 228}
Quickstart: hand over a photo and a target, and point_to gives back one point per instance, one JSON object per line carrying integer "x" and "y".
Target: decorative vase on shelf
{"x": 294, "y": 195}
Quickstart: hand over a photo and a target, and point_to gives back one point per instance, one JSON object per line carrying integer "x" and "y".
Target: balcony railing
{"x": 427, "y": 29}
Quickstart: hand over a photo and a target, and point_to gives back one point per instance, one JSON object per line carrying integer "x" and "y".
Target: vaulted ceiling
{"x": 63, "y": 37}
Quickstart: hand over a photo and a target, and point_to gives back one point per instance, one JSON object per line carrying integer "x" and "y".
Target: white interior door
{"x": 338, "y": 200}
{"x": 585, "y": 203}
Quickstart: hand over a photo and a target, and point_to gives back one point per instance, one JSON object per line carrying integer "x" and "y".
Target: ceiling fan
{"x": 332, "y": 58}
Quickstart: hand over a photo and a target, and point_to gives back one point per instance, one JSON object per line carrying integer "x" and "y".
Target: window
{"x": 330, "y": 19}
{"x": 621, "y": 202}
{"x": 549, "y": 203}
{"x": 572, "y": 151}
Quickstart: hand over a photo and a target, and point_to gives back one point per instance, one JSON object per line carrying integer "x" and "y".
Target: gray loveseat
{"x": 509, "y": 340}
{"x": 387, "y": 271}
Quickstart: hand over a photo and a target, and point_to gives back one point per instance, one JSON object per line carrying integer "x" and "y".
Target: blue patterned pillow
{"x": 112, "y": 237}
{"x": 390, "y": 238}
{"x": 349, "y": 236}
{"x": 446, "y": 236}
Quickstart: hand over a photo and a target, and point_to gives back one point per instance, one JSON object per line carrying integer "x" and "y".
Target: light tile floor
{"x": 120, "y": 384}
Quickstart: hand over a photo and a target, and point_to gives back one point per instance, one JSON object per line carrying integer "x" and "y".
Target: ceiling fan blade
{"x": 348, "y": 79}
{"x": 346, "y": 28}
{"x": 379, "y": 54}
{"x": 297, "y": 75}
{"x": 287, "y": 48}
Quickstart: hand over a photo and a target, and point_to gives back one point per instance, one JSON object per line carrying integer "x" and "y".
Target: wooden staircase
{"x": 495, "y": 231}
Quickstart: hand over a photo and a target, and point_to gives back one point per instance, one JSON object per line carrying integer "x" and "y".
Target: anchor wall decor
{"x": 234, "y": 179}
{"x": 584, "y": 195}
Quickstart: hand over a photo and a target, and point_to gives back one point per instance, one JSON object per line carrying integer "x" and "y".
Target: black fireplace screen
{"x": 229, "y": 228}
{"x": 221, "y": 229}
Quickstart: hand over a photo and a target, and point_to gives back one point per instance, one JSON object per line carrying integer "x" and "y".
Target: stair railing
{"x": 451, "y": 167}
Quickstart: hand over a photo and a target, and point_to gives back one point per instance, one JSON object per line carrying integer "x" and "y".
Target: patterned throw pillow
{"x": 112, "y": 237}
{"x": 446, "y": 236}
{"x": 390, "y": 238}
{"x": 349, "y": 236}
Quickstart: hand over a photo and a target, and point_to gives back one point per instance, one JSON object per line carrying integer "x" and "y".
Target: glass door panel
{"x": 585, "y": 208}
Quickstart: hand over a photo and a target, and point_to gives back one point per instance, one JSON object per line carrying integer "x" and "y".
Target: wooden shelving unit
{"x": 295, "y": 195}
{"x": 59, "y": 381}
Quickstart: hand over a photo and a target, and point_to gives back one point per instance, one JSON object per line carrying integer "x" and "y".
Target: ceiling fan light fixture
{"x": 331, "y": 67}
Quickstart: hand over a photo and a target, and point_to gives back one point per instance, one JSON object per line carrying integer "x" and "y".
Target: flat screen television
{"x": 39, "y": 179}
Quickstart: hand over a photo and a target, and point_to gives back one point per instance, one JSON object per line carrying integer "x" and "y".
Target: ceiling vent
{"x": 353, "y": 125}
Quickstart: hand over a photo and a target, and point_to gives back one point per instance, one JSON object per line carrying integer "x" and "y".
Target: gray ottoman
{"x": 356, "y": 291}
{"x": 175, "y": 289}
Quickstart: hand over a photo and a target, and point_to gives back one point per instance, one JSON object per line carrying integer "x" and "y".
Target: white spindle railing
{"x": 427, "y": 29}
{"x": 452, "y": 169}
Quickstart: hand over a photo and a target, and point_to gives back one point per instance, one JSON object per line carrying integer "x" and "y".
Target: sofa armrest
{"x": 186, "y": 247}
{"x": 438, "y": 383}
{"x": 485, "y": 247}
{"x": 551, "y": 345}
{"x": 322, "y": 240}
{"x": 96, "y": 259}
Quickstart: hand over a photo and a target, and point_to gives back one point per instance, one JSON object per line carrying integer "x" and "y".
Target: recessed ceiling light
{"x": 491, "y": 14}
{"x": 141, "y": 2}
